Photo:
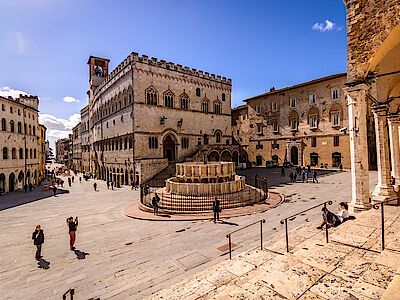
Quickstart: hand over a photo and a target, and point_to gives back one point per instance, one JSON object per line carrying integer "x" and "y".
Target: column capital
{"x": 380, "y": 109}
{"x": 349, "y": 88}
{"x": 394, "y": 118}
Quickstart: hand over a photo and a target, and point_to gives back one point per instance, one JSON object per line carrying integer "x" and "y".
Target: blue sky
{"x": 259, "y": 44}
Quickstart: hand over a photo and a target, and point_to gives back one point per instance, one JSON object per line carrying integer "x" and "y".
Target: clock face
{"x": 98, "y": 71}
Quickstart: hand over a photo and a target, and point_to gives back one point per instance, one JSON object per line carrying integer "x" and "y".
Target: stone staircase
{"x": 351, "y": 266}
{"x": 163, "y": 174}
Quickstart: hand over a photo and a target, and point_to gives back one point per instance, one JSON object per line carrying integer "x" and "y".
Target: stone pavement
{"x": 129, "y": 258}
{"x": 351, "y": 266}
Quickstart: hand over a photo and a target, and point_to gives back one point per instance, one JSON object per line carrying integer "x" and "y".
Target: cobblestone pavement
{"x": 128, "y": 258}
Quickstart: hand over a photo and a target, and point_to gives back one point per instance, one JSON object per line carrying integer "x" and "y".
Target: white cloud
{"x": 58, "y": 128}
{"x": 326, "y": 26}
{"x": 17, "y": 42}
{"x": 6, "y": 91}
{"x": 70, "y": 99}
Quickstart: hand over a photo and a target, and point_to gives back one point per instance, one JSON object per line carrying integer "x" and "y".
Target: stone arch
{"x": 235, "y": 156}
{"x": 11, "y": 182}
{"x": 226, "y": 155}
{"x": 213, "y": 155}
{"x": 218, "y": 136}
{"x": 2, "y": 182}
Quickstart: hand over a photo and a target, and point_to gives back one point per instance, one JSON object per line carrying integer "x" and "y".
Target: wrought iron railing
{"x": 229, "y": 235}
{"x": 285, "y": 221}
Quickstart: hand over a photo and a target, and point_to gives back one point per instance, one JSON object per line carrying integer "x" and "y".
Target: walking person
{"x": 62, "y": 183}
{"x": 216, "y": 209}
{"x": 25, "y": 187}
{"x": 72, "y": 226}
{"x": 80, "y": 179}
{"x": 73, "y": 178}
{"x": 283, "y": 171}
{"x": 108, "y": 184}
{"x": 95, "y": 186}
{"x": 291, "y": 177}
{"x": 69, "y": 181}
{"x": 30, "y": 187}
{"x": 54, "y": 190}
{"x": 112, "y": 185}
{"x": 38, "y": 240}
{"x": 314, "y": 177}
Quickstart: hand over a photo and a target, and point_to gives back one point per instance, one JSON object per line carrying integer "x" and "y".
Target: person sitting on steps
{"x": 335, "y": 219}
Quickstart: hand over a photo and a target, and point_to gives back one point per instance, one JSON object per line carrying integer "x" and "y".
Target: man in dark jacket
{"x": 38, "y": 240}
{"x": 216, "y": 209}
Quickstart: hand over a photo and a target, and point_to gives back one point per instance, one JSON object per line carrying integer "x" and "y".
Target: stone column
{"x": 394, "y": 122}
{"x": 357, "y": 107}
{"x": 383, "y": 190}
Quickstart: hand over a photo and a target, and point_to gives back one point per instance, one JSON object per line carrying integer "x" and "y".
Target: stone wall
{"x": 369, "y": 23}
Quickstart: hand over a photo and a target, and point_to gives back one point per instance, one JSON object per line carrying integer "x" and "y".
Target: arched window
{"x": 204, "y": 106}
{"x": 3, "y": 124}
{"x": 21, "y": 153}
{"x": 12, "y": 128}
{"x": 5, "y": 153}
{"x": 151, "y": 96}
{"x": 223, "y": 97}
{"x": 26, "y": 153}
{"x": 30, "y": 153}
{"x": 30, "y": 129}
{"x": 19, "y": 127}
{"x": 217, "y": 107}
{"x": 14, "y": 153}
{"x": 218, "y": 136}
{"x": 184, "y": 102}
{"x": 169, "y": 99}
{"x": 198, "y": 92}
{"x": 34, "y": 153}
{"x": 34, "y": 130}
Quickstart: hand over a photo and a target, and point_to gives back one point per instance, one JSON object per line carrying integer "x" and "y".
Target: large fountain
{"x": 196, "y": 185}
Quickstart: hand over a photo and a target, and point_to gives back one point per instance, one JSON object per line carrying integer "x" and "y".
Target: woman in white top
{"x": 343, "y": 212}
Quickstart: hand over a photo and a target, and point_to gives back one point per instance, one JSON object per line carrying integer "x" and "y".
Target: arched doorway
{"x": 11, "y": 180}
{"x": 2, "y": 182}
{"x": 294, "y": 155}
{"x": 213, "y": 156}
{"x": 169, "y": 148}
{"x": 226, "y": 155}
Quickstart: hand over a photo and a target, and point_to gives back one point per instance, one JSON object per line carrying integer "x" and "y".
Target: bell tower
{"x": 98, "y": 71}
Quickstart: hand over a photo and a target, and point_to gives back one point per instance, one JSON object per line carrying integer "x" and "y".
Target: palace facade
{"x": 148, "y": 113}
{"x": 305, "y": 124}
{"x": 22, "y": 141}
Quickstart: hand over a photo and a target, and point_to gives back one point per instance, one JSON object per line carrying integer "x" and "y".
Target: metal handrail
{"x": 284, "y": 221}
{"x": 71, "y": 292}
{"x": 376, "y": 206}
{"x": 261, "y": 235}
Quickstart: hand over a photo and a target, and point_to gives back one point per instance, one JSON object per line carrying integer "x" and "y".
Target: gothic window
{"x": 30, "y": 129}
{"x": 14, "y": 153}
{"x": 218, "y": 136}
{"x": 204, "y": 106}
{"x": 217, "y": 107}
{"x": 151, "y": 96}
{"x": 5, "y": 153}
{"x": 198, "y": 92}
{"x": 169, "y": 99}
{"x": 25, "y": 128}
{"x": 19, "y": 127}
{"x": 184, "y": 102}
{"x": 3, "y": 124}
{"x": 12, "y": 129}
{"x": 34, "y": 130}
{"x": 30, "y": 153}
{"x": 21, "y": 153}
{"x": 26, "y": 153}
{"x": 223, "y": 97}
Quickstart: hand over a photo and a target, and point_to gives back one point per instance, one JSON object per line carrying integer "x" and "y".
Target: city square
{"x": 163, "y": 150}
